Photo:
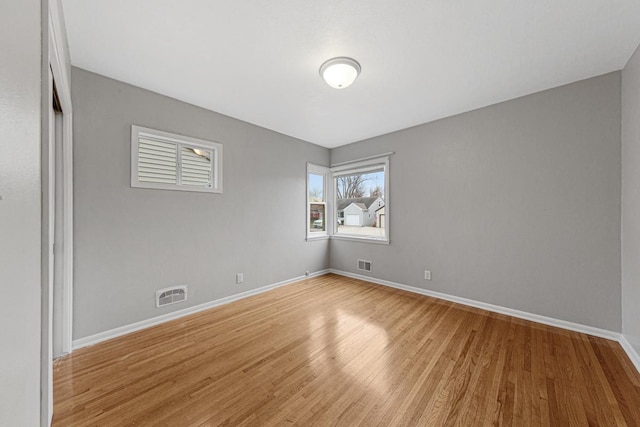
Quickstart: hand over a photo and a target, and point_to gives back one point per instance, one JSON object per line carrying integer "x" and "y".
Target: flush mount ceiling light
{"x": 340, "y": 72}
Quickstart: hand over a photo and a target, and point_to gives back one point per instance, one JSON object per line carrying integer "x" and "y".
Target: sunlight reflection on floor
{"x": 345, "y": 341}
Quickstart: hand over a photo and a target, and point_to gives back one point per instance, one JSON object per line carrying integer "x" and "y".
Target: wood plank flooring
{"x": 337, "y": 351}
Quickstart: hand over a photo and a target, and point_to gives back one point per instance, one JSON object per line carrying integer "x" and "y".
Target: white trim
{"x": 576, "y": 327}
{"x": 370, "y": 164}
{"x": 59, "y": 54}
{"x": 377, "y": 156}
{"x": 143, "y": 324}
{"x": 631, "y": 352}
{"x": 48, "y": 168}
{"x": 315, "y": 169}
{"x": 355, "y": 168}
{"x": 355, "y": 238}
{"x": 58, "y": 60}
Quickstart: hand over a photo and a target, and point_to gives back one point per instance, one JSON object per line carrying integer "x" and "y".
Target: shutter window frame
{"x": 166, "y": 161}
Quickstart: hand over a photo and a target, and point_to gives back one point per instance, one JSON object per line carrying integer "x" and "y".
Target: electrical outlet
{"x": 240, "y": 278}
{"x": 306, "y": 273}
{"x": 427, "y": 275}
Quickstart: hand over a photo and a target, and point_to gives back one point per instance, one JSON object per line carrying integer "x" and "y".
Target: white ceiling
{"x": 421, "y": 60}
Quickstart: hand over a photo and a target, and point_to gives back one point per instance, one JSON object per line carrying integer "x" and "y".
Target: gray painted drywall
{"x": 129, "y": 242}
{"x": 631, "y": 201}
{"x": 20, "y": 138}
{"x": 516, "y": 204}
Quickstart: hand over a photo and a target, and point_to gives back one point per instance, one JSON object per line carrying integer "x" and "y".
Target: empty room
{"x": 319, "y": 213}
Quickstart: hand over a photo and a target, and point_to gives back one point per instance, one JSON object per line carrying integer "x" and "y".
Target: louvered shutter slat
{"x": 196, "y": 165}
{"x": 199, "y": 175}
{"x": 155, "y": 148}
{"x": 160, "y": 160}
{"x": 157, "y": 161}
{"x": 162, "y": 145}
{"x": 149, "y": 151}
{"x": 162, "y": 167}
{"x": 158, "y": 180}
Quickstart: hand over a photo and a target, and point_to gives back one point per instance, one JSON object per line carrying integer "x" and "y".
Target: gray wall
{"x": 631, "y": 201}
{"x": 131, "y": 241}
{"x": 516, "y": 204}
{"x": 20, "y": 113}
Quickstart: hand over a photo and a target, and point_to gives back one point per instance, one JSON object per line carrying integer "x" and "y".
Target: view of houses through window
{"x": 360, "y": 204}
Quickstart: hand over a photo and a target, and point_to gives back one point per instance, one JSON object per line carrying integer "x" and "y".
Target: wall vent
{"x": 364, "y": 265}
{"x": 171, "y": 295}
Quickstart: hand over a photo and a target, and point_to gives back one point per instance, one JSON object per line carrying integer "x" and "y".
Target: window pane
{"x": 316, "y": 188}
{"x": 317, "y": 217}
{"x": 360, "y": 204}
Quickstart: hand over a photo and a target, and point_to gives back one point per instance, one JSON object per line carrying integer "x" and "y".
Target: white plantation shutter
{"x": 166, "y": 161}
{"x": 157, "y": 161}
{"x": 196, "y": 167}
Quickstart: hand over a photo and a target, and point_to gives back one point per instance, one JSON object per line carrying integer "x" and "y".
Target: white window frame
{"x": 326, "y": 193}
{"x": 180, "y": 141}
{"x": 363, "y": 166}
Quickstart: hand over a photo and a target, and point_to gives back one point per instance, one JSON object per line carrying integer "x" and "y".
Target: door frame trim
{"x": 59, "y": 62}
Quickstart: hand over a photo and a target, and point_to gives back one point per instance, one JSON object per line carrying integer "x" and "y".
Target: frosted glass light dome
{"x": 341, "y": 72}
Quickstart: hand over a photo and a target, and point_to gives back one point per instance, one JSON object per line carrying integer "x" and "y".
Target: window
{"x": 317, "y": 221}
{"x": 361, "y": 207}
{"x": 349, "y": 201}
{"x": 166, "y": 161}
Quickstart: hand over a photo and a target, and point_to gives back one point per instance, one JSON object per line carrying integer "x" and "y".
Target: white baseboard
{"x": 590, "y": 330}
{"x": 631, "y": 352}
{"x": 127, "y": 329}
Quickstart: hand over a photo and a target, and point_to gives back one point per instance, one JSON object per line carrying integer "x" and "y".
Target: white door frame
{"x": 48, "y": 231}
{"x": 59, "y": 60}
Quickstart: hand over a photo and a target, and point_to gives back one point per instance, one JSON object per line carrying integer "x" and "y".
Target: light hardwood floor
{"x": 337, "y": 351}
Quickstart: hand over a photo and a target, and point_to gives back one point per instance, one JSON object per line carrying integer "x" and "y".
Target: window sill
{"x": 361, "y": 239}
{"x": 314, "y": 238}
